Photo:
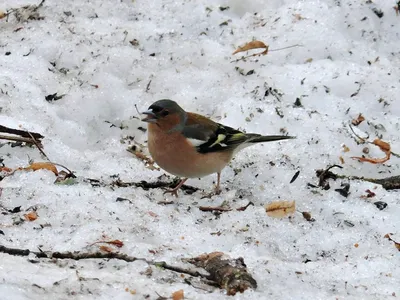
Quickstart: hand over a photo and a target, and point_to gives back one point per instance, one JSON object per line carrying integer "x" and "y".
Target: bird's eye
{"x": 165, "y": 113}
{"x": 155, "y": 109}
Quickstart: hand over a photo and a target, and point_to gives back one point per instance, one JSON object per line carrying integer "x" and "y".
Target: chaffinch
{"x": 190, "y": 145}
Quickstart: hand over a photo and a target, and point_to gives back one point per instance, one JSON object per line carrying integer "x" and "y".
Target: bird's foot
{"x": 216, "y": 192}
{"x": 173, "y": 192}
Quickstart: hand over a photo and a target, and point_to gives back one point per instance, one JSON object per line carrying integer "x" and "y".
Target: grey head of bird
{"x": 164, "y": 112}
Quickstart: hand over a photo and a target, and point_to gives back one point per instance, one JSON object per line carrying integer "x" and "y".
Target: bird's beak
{"x": 151, "y": 117}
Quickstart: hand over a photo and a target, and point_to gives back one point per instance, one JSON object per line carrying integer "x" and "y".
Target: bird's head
{"x": 167, "y": 114}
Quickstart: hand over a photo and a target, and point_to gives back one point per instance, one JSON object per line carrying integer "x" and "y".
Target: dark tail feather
{"x": 268, "y": 138}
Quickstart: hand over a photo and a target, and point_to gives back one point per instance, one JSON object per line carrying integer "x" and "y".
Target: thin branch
{"x": 16, "y": 139}
{"x": 77, "y": 255}
{"x": 20, "y": 132}
{"x": 37, "y": 146}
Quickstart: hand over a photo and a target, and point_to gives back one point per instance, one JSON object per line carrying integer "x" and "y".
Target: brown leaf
{"x": 178, "y": 295}
{"x": 298, "y": 17}
{"x": 345, "y": 148}
{"x": 42, "y": 165}
{"x": 357, "y": 121}
{"x": 116, "y": 243}
{"x": 369, "y": 194}
{"x": 32, "y": 216}
{"x": 396, "y": 244}
{"x": 253, "y": 45}
{"x": 385, "y": 147}
{"x": 106, "y": 249}
{"x": 279, "y": 209}
{"x": 5, "y": 169}
{"x": 2, "y": 14}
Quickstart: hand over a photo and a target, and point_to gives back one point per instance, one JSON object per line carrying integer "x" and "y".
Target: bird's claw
{"x": 173, "y": 192}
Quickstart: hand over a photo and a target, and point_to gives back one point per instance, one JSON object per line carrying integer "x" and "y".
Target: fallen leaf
{"x": 341, "y": 159}
{"x": 385, "y": 147}
{"x": 178, "y": 295}
{"x": 42, "y": 165}
{"x": 5, "y": 169}
{"x": 345, "y": 148}
{"x": 2, "y": 14}
{"x": 153, "y": 214}
{"x": 357, "y": 121}
{"x": 32, "y": 216}
{"x": 309, "y": 60}
{"x": 106, "y": 249}
{"x": 279, "y": 209}
{"x": 253, "y": 45}
{"x": 396, "y": 244}
{"x": 369, "y": 194}
{"x": 116, "y": 243}
{"x": 298, "y": 17}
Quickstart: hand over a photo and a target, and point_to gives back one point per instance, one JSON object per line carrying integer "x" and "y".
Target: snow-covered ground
{"x": 107, "y": 56}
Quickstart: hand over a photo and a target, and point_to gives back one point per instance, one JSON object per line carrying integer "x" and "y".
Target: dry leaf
{"x": 42, "y": 165}
{"x": 106, "y": 249}
{"x": 32, "y": 216}
{"x": 116, "y": 243}
{"x": 298, "y": 17}
{"x": 5, "y": 169}
{"x": 280, "y": 209}
{"x": 178, "y": 295}
{"x": 345, "y": 148}
{"x": 385, "y": 147}
{"x": 153, "y": 214}
{"x": 341, "y": 159}
{"x": 370, "y": 194}
{"x": 309, "y": 60}
{"x": 357, "y": 121}
{"x": 396, "y": 244}
{"x": 253, "y": 45}
{"x": 2, "y": 14}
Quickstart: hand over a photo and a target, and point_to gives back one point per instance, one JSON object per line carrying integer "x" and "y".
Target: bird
{"x": 189, "y": 145}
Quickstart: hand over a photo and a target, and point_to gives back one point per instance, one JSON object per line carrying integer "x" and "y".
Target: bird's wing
{"x": 209, "y": 136}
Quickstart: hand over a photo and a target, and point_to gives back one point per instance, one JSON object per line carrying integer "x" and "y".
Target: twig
{"x": 297, "y": 45}
{"x": 388, "y": 183}
{"x": 20, "y": 132}
{"x": 16, "y": 139}
{"x": 77, "y": 255}
{"x": 37, "y": 146}
{"x": 62, "y": 166}
{"x": 215, "y": 208}
{"x": 152, "y": 185}
{"x": 362, "y": 140}
{"x": 40, "y": 4}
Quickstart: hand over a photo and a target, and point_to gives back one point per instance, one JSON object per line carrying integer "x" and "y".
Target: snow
{"x": 82, "y": 50}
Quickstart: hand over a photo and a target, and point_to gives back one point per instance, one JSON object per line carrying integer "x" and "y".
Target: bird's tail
{"x": 256, "y": 138}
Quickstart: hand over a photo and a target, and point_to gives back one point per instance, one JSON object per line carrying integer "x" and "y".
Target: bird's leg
{"x": 217, "y": 188}
{"x": 174, "y": 191}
